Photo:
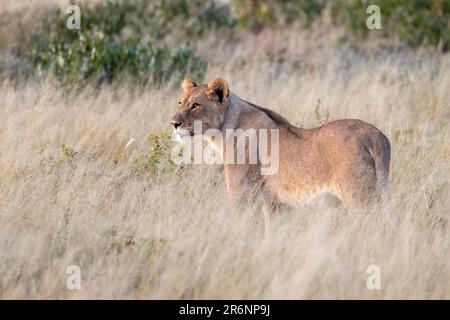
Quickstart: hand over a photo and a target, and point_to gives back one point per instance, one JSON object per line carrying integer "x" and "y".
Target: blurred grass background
{"x": 156, "y": 41}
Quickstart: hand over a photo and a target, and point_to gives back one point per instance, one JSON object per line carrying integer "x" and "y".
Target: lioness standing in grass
{"x": 347, "y": 158}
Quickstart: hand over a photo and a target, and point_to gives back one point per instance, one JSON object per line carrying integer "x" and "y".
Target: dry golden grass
{"x": 135, "y": 234}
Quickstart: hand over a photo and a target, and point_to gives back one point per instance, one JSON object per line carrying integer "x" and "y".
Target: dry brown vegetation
{"x": 71, "y": 193}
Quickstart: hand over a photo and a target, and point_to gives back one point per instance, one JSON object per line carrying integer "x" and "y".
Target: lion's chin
{"x": 182, "y": 134}
{"x": 178, "y": 137}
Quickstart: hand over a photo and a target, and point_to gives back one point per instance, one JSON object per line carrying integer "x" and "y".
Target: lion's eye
{"x": 194, "y": 106}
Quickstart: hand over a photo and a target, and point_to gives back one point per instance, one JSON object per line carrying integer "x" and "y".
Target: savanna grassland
{"x": 86, "y": 178}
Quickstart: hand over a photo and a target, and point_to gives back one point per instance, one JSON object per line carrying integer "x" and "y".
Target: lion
{"x": 346, "y": 158}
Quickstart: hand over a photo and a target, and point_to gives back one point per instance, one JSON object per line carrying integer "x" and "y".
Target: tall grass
{"x": 72, "y": 193}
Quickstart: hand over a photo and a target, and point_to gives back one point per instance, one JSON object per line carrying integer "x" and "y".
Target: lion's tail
{"x": 381, "y": 154}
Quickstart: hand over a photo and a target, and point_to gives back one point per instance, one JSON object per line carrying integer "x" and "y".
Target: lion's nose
{"x": 175, "y": 124}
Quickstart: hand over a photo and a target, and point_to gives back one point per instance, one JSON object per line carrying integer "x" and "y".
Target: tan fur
{"x": 347, "y": 158}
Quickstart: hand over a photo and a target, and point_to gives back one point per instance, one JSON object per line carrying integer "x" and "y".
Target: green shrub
{"x": 160, "y": 145}
{"x": 154, "y": 41}
{"x": 257, "y": 14}
{"x": 159, "y": 160}
{"x": 127, "y": 39}
{"x": 413, "y": 22}
{"x": 92, "y": 57}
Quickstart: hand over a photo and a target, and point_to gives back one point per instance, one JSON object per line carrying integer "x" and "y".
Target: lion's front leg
{"x": 246, "y": 189}
{"x": 270, "y": 209}
{"x": 243, "y": 183}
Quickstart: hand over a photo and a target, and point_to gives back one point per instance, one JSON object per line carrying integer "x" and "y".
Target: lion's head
{"x": 206, "y": 103}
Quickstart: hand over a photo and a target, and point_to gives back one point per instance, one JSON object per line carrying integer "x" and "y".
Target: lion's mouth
{"x": 186, "y": 131}
{"x": 183, "y": 133}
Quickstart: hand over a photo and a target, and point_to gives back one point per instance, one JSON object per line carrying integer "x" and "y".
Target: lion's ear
{"x": 219, "y": 88}
{"x": 188, "y": 84}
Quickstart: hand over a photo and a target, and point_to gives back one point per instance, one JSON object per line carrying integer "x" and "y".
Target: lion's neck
{"x": 232, "y": 113}
{"x": 241, "y": 114}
